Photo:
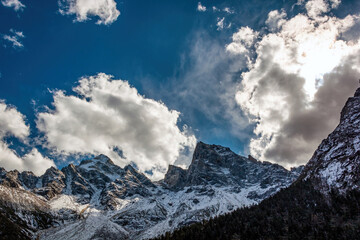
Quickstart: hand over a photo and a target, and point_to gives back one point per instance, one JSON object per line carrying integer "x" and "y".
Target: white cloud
{"x": 215, "y": 9}
{"x": 242, "y": 41}
{"x": 14, "y": 38}
{"x": 335, "y": 3}
{"x": 276, "y": 19}
{"x": 16, "y": 4}
{"x": 220, "y": 23}
{"x": 110, "y": 114}
{"x": 36, "y": 162}
{"x": 228, "y": 10}
{"x": 315, "y": 8}
{"x": 295, "y": 87}
{"x": 12, "y": 123}
{"x": 84, "y": 9}
{"x": 200, "y": 7}
{"x": 18, "y": 33}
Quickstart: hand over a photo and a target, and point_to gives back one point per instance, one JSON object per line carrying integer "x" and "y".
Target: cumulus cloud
{"x": 200, "y": 7}
{"x": 14, "y": 38}
{"x": 275, "y": 19}
{"x": 12, "y": 124}
{"x": 107, "y": 115}
{"x": 105, "y": 10}
{"x": 242, "y": 41}
{"x": 36, "y": 162}
{"x": 16, "y": 4}
{"x": 315, "y": 8}
{"x": 302, "y": 72}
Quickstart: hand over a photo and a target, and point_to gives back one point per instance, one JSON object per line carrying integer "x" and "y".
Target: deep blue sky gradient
{"x": 146, "y": 46}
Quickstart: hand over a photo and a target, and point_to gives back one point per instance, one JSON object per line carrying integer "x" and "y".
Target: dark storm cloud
{"x": 303, "y": 71}
{"x": 306, "y": 127}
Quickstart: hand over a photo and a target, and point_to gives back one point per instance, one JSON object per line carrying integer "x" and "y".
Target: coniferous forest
{"x": 298, "y": 212}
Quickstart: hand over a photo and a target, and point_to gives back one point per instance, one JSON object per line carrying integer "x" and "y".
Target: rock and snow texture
{"x": 23, "y": 210}
{"x": 335, "y": 165}
{"x": 100, "y": 200}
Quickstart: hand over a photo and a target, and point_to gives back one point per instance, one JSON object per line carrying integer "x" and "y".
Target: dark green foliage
{"x": 298, "y": 212}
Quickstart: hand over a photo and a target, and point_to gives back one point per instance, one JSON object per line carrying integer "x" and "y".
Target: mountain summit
{"x": 324, "y": 203}
{"x": 335, "y": 165}
{"x": 106, "y": 200}
{"x": 219, "y": 166}
{"x": 98, "y": 199}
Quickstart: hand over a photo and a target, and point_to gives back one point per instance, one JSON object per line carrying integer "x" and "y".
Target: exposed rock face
{"x": 324, "y": 203}
{"x": 335, "y": 165}
{"x": 103, "y": 199}
{"x": 218, "y": 166}
{"x": 98, "y": 199}
{"x": 50, "y": 184}
{"x": 175, "y": 177}
{"x": 22, "y": 213}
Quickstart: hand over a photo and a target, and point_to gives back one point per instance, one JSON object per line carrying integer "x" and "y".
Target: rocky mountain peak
{"x": 206, "y": 154}
{"x": 96, "y": 162}
{"x": 251, "y": 158}
{"x": 336, "y": 163}
{"x": 219, "y": 166}
{"x": 129, "y": 168}
{"x": 107, "y": 196}
{"x": 357, "y": 92}
{"x": 351, "y": 108}
{"x": 103, "y": 158}
{"x": 175, "y": 177}
{"x": 202, "y": 148}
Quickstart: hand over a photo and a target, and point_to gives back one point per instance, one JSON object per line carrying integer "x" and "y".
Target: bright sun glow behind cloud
{"x": 289, "y": 70}
{"x": 318, "y": 49}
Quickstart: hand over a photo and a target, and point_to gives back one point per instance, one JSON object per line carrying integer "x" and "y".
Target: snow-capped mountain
{"x": 98, "y": 199}
{"x": 335, "y": 165}
{"x": 323, "y": 203}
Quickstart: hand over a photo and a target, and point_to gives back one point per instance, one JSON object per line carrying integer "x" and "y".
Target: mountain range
{"x": 220, "y": 196}
{"x": 100, "y": 200}
{"x": 323, "y": 203}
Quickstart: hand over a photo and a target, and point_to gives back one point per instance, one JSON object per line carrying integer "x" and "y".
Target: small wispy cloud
{"x": 215, "y": 9}
{"x": 14, "y": 38}
{"x": 200, "y": 7}
{"x": 220, "y": 23}
{"x": 16, "y": 4}
{"x": 225, "y": 9}
{"x": 228, "y": 10}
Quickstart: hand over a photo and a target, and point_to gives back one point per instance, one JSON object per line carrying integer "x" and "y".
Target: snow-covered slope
{"x": 335, "y": 165}
{"x": 23, "y": 212}
{"x": 100, "y": 200}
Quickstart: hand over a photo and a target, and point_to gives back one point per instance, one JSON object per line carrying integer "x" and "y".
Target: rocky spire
{"x": 335, "y": 165}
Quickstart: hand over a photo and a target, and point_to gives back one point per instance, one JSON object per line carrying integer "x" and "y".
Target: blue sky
{"x": 169, "y": 51}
